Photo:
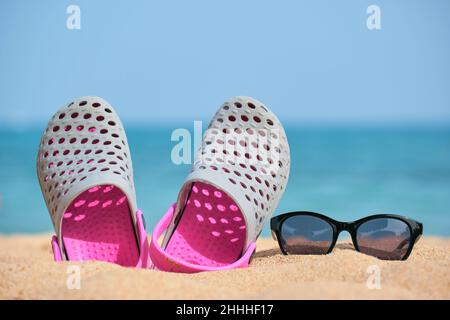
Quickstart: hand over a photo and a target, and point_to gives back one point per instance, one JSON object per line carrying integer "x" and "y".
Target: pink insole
{"x": 211, "y": 231}
{"x": 98, "y": 226}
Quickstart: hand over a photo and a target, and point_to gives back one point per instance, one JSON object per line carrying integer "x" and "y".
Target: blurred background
{"x": 367, "y": 112}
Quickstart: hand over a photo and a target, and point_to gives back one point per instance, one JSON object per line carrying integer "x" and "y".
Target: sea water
{"x": 343, "y": 172}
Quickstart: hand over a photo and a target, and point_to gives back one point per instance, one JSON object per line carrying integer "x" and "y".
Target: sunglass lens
{"x": 305, "y": 234}
{"x": 385, "y": 238}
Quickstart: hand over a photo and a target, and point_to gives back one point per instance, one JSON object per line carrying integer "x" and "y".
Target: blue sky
{"x": 171, "y": 61}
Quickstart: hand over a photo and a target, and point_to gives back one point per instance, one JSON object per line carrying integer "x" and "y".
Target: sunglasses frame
{"x": 415, "y": 228}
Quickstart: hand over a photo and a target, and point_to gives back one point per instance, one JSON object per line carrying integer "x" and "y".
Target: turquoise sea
{"x": 344, "y": 172}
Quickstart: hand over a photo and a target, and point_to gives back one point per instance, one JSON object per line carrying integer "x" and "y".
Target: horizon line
{"x": 11, "y": 126}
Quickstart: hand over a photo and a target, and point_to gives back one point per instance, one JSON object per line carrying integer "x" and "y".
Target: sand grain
{"x": 27, "y": 271}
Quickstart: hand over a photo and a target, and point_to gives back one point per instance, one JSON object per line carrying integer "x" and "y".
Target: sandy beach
{"x": 27, "y": 271}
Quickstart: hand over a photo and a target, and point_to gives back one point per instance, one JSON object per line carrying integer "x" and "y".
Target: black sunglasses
{"x": 385, "y": 236}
